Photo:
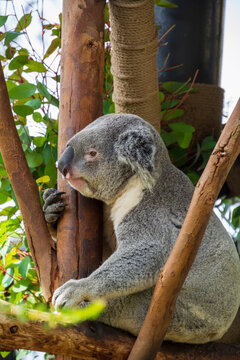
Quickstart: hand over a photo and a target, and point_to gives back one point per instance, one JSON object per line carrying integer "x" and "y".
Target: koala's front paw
{"x": 71, "y": 294}
{"x": 53, "y": 205}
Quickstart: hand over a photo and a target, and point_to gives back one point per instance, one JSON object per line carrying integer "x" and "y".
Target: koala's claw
{"x": 73, "y": 293}
{"x": 53, "y": 205}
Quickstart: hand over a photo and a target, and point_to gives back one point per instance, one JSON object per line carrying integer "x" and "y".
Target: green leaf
{"x": 10, "y": 36}
{"x": 7, "y": 280}
{"x": 173, "y": 114}
{"x": 184, "y": 139}
{"x": 176, "y": 87}
{"x": 236, "y": 217}
{"x": 34, "y": 103}
{"x": 3, "y": 20}
{"x": 182, "y": 127}
{"x": 37, "y": 117}
{"x": 34, "y": 159}
{"x": 24, "y": 22}
{"x": 51, "y": 171}
{"x": 24, "y": 266}
{"x": 35, "y": 66}
{"x": 22, "y": 91}
{"x": 208, "y": 143}
{"x": 5, "y": 353}
{"x": 18, "y": 62}
{"x": 43, "y": 90}
{"x": 161, "y": 96}
{"x": 165, "y": 3}
{"x": 52, "y": 47}
{"x": 39, "y": 141}
{"x": 21, "y": 285}
{"x": 193, "y": 176}
{"x": 168, "y": 137}
{"x": 23, "y": 110}
{"x": 3, "y": 198}
{"x": 170, "y": 103}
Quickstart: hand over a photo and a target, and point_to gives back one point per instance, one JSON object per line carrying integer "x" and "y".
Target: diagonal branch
{"x": 175, "y": 270}
{"x": 26, "y": 191}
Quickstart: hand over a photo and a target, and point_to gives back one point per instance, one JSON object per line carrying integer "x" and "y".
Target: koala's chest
{"x": 129, "y": 198}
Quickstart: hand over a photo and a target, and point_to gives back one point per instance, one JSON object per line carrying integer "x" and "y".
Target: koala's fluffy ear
{"x": 136, "y": 148}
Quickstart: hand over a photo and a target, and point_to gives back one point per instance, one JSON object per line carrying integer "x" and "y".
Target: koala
{"x": 122, "y": 160}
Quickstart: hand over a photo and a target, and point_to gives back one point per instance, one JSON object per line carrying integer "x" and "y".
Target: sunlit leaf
{"x": 34, "y": 66}
{"x": 24, "y": 266}
{"x": 43, "y": 179}
{"x": 24, "y": 22}
{"x": 37, "y": 117}
{"x": 34, "y": 103}
{"x": 8, "y": 278}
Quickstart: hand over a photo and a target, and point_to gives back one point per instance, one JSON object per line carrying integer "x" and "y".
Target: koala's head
{"x": 99, "y": 160}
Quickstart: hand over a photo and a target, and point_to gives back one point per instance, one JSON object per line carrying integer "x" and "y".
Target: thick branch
{"x": 79, "y": 230}
{"x": 175, "y": 270}
{"x": 26, "y": 191}
{"x": 92, "y": 340}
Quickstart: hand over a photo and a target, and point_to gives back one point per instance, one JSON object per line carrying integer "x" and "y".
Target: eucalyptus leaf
{"x": 10, "y": 36}
{"x": 23, "y": 110}
{"x": 24, "y": 22}
{"x": 3, "y": 20}
{"x": 22, "y": 91}
{"x": 18, "y": 62}
{"x": 34, "y": 159}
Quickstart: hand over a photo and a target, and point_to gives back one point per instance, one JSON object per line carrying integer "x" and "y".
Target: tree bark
{"x": 175, "y": 270}
{"x": 92, "y": 340}
{"x": 26, "y": 191}
{"x": 134, "y": 62}
{"x": 79, "y": 239}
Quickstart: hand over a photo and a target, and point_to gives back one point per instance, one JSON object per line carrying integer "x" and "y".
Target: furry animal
{"x": 121, "y": 160}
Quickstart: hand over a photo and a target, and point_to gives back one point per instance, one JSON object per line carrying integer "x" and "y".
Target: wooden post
{"x": 175, "y": 270}
{"x": 80, "y": 229}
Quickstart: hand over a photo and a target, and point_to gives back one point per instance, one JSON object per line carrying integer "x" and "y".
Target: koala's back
{"x": 210, "y": 297}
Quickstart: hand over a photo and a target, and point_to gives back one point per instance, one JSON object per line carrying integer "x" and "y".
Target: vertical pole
{"x": 79, "y": 241}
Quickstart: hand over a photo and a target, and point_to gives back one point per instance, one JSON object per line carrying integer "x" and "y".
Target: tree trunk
{"x": 134, "y": 62}
{"x": 175, "y": 270}
{"x": 80, "y": 229}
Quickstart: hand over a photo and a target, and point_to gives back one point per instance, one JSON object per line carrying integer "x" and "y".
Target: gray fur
{"x": 208, "y": 302}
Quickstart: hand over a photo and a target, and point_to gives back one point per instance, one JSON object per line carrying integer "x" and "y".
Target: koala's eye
{"x": 91, "y": 155}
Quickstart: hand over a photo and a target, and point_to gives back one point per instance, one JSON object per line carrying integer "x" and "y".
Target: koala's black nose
{"x": 65, "y": 160}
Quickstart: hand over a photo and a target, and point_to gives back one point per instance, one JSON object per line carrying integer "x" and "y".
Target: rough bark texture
{"x": 26, "y": 191}
{"x": 134, "y": 62}
{"x": 79, "y": 230}
{"x": 92, "y": 340}
{"x": 175, "y": 270}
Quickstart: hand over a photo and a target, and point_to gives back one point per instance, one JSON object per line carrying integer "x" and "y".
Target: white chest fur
{"x": 129, "y": 197}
